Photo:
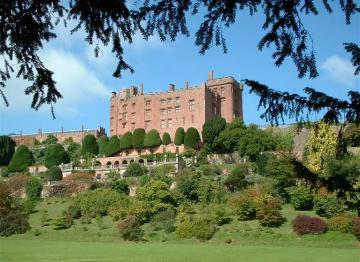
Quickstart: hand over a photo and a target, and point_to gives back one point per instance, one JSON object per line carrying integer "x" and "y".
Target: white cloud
{"x": 77, "y": 84}
{"x": 340, "y": 70}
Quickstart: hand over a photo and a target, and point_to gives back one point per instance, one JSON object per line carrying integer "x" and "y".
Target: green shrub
{"x": 113, "y": 147}
{"x": 126, "y": 141}
{"x": 21, "y": 159}
{"x": 74, "y": 211}
{"x": 164, "y": 220}
{"x": 103, "y": 145}
{"x": 328, "y": 206}
{"x": 50, "y": 140}
{"x": 192, "y": 137}
{"x": 44, "y": 217}
{"x": 33, "y": 189}
{"x": 268, "y": 211}
{"x": 243, "y": 206}
{"x": 301, "y": 197}
{"x": 121, "y": 186}
{"x": 13, "y": 222}
{"x": 54, "y": 174}
{"x": 119, "y": 210}
{"x": 211, "y": 130}
{"x": 134, "y": 170}
{"x": 187, "y": 182}
{"x": 129, "y": 229}
{"x": 236, "y": 180}
{"x": 352, "y": 135}
{"x": 138, "y": 138}
{"x": 89, "y": 145}
{"x": 179, "y": 136}
{"x": 220, "y": 215}
{"x": 308, "y": 225}
{"x": 152, "y": 139}
{"x": 144, "y": 179}
{"x": 140, "y": 209}
{"x": 96, "y": 202}
{"x": 210, "y": 170}
{"x": 356, "y": 227}
{"x": 64, "y": 221}
{"x": 55, "y": 155}
{"x": 7, "y": 149}
{"x": 341, "y": 223}
{"x": 166, "y": 139}
{"x": 203, "y": 228}
{"x": 28, "y": 206}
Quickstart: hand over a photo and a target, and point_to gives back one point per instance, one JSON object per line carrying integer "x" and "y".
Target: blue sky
{"x": 86, "y": 82}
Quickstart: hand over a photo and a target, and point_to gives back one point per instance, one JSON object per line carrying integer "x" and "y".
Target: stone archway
{"x": 141, "y": 161}
{"x": 108, "y": 163}
{"x": 124, "y": 162}
{"x": 116, "y": 163}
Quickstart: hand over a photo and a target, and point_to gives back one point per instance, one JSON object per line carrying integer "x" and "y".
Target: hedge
{"x": 89, "y": 145}
{"x": 179, "y": 136}
{"x": 125, "y": 141}
{"x": 192, "y": 137}
{"x": 21, "y": 159}
{"x": 152, "y": 139}
{"x": 138, "y": 138}
{"x": 55, "y": 155}
{"x": 166, "y": 139}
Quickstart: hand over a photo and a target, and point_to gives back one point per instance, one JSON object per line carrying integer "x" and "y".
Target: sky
{"x": 86, "y": 82}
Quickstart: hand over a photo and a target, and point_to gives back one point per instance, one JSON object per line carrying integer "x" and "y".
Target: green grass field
{"x": 37, "y": 250}
{"x": 100, "y": 241}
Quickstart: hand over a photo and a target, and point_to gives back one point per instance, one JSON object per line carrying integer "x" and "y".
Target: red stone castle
{"x": 166, "y": 111}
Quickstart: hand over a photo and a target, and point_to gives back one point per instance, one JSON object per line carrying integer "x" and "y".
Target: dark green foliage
{"x": 268, "y": 211}
{"x": 134, "y": 170}
{"x": 33, "y": 189}
{"x": 164, "y": 220}
{"x": 7, "y": 149}
{"x": 126, "y": 141}
{"x": 221, "y": 215}
{"x": 74, "y": 211}
{"x": 129, "y": 229}
{"x": 54, "y": 174}
{"x": 97, "y": 202}
{"x": 211, "y": 129}
{"x": 113, "y": 147}
{"x": 227, "y": 141}
{"x": 187, "y": 182}
{"x": 243, "y": 205}
{"x": 121, "y": 186}
{"x": 63, "y": 221}
{"x": 301, "y": 197}
{"x": 74, "y": 151}
{"x": 50, "y": 140}
{"x": 356, "y": 227}
{"x": 308, "y": 225}
{"x": 255, "y": 141}
{"x": 203, "y": 228}
{"x": 89, "y": 145}
{"x": 236, "y": 180}
{"x": 152, "y": 139}
{"x": 179, "y": 136}
{"x": 192, "y": 137}
{"x": 166, "y": 139}
{"x": 56, "y": 155}
{"x": 138, "y": 138}
{"x": 103, "y": 145}
{"x": 210, "y": 170}
{"x": 328, "y": 206}
{"x": 21, "y": 159}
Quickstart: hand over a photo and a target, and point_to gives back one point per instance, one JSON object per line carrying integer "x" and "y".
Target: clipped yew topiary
{"x": 125, "y": 141}
{"x": 103, "y": 143}
{"x": 113, "y": 146}
{"x": 179, "y": 136}
{"x": 138, "y": 138}
{"x": 55, "y": 155}
{"x": 212, "y": 128}
{"x": 152, "y": 139}
{"x": 7, "y": 149}
{"x": 21, "y": 159}
{"x": 192, "y": 137}
{"x": 89, "y": 145}
{"x": 166, "y": 139}
{"x": 54, "y": 174}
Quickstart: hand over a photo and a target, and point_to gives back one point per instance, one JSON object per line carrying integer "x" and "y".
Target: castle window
{"x": 148, "y": 112}
{"x": 124, "y": 107}
{"x": 162, "y": 111}
{"x": 148, "y": 102}
{"x": 169, "y": 123}
{"x": 222, "y": 90}
{"x": 191, "y": 105}
{"x": 133, "y": 115}
{"x": 169, "y": 100}
{"x": 169, "y": 111}
{"x": 177, "y": 100}
{"x": 112, "y": 118}
{"x": 162, "y": 102}
{"x": 177, "y": 109}
{"x": 132, "y": 126}
{"x": 125, "y": 116}
{"x": 147, "y": 124}
{"x": 163, "y": 124}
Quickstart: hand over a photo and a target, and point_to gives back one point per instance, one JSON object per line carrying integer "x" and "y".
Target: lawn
{"x": 42, "y": 250}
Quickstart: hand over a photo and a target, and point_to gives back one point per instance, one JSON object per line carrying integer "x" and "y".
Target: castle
{"x": 188, "y": 107}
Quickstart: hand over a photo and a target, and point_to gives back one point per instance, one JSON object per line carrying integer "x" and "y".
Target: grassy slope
{"x": 22, "y": 250}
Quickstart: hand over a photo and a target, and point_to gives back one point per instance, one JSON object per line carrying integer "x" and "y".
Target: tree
{"x": 103, "y": 143}
{"x": 179, "y": 136}
{"x": 54, "y": 174}
{"x": 211, "y": 129}
{"x": 192, "y": 137}
{"x": 236, "y": 180}
{"x": 50, "y": 140}
{"x": 33, "y": 189}
{"x": 89, "y": 145}
{"x": 27, "y": 24}
{"x": 56, "y": 155}
{"x": 352, "y": 135}
{"x": 21, "y": 159}
{"x": 152, "y": 139}
{"x": 121, "y": 186}
{"x": 74, "y": 151}
{"x": 134, "y": 170}
{"x": 125, "y": 141}
{"x": 166, "y": 139}
{"x": 320, "y": 147}
{"x": 138, "y": 138}
{"x": 7, "y": 149}
{"x": 113, "y": 147}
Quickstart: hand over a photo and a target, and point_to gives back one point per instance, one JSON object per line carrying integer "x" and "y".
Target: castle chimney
{"x": 186, "y": 84}
{"x": 211, "y": 75}
{"x": 141, "y": 87}
{"x": 171, "y": 87}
